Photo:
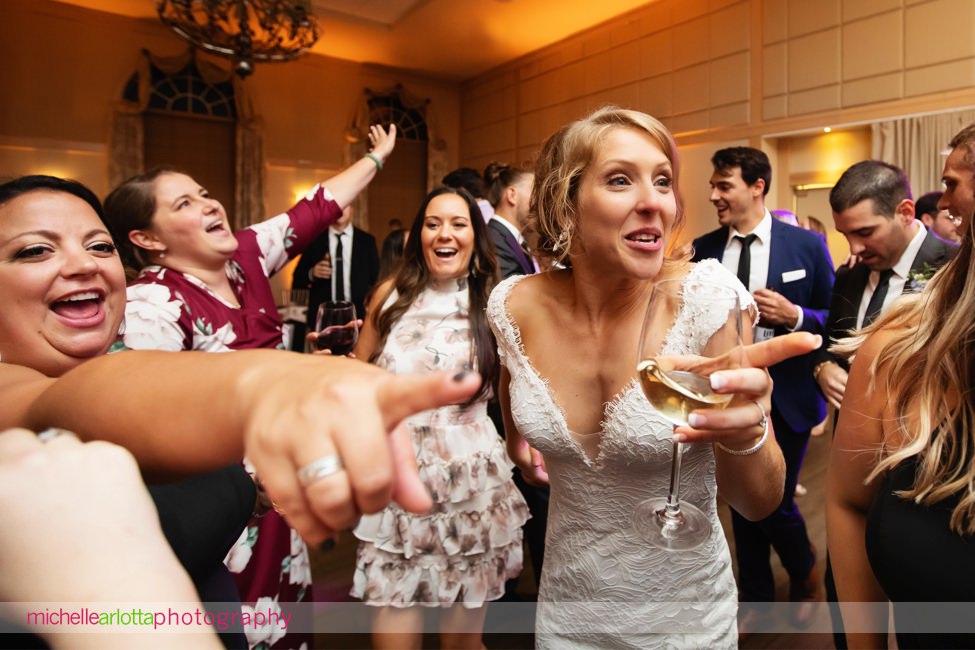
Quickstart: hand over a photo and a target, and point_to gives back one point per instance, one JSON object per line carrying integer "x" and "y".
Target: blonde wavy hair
{"x": 929, "y": 366}
{"x": 562, "y": 162}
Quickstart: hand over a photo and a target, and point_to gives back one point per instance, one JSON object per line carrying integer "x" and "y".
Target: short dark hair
{"x": 927, "y": 204}
{"x": 39, "y": 182}
{"x": 966, "y": 138}
{"x": 877, "y": 180}
{"x": 467, "y": 178}
{"x": 753, "y": 163}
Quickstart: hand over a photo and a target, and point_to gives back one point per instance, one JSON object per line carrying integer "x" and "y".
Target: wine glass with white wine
{"x": 706, "y": 317}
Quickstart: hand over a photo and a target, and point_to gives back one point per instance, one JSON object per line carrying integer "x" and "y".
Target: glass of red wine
{"x": 337, "y": 327}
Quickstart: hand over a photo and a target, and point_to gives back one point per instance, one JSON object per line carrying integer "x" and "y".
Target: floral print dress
{"x": 469, "y": 544}
{"x": 170, "y": 310}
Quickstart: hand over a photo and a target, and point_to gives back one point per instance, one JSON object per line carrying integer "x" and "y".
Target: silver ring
{"x": 764, "y": 421}
{"x": 320, "y": 468}
{"x": 47, "y": 435}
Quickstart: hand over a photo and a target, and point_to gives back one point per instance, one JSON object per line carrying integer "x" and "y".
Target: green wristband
{"x": 374, "y": 158}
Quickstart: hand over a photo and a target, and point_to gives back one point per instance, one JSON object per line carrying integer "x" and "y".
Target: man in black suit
{"x": 505, "y": 228}
{"x": 872, "y": 208}
{"x": 341, "y": 264}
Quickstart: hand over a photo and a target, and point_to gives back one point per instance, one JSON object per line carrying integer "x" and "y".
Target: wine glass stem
{"x": 673, "y": 496}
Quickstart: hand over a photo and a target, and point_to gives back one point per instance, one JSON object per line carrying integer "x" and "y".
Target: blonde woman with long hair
{"x": 901, "y": 489}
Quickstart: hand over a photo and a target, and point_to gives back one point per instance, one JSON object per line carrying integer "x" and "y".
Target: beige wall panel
{"x": 550, "y": 88}
{"x": 873, "y": 46}
{"x": 814, "y": 60}
{"x": 656, "y": 16}
{"x": 716, "y": 5}
{"x": 630, "y": 29}
{"x": 729, "y": 80}
{"x": 884, "y": 88}
{"x": 550, "y": 120}
{"x": 940, "y": 31}
{"x": 688, "y": 122}
{"x": 940, "y": 77}
{"x": 530, "y": 95}
{"x": 489, "y": 139}
{"x": 730, "y": 29}
{"x": 530, "y": 127}
{"x": 492, "y": 83}
{"x": 596, "y": 41}
{"x": 823, "y": 157}
{"x": 573, "y": 81}
{"x": 774, "y": 107}
{"x": 813, "y": 101}
{"x": 572, "y": 110}
{"x": 774, "y": 70}
{"x": 731, "y": 115}
{"x": 596, "y": 72}
{"x": 627, "y": 96}
{"x": 685, "y": 10}
{"x": 691, "y": 89}
{"x": 489, "y": 108}
{"x": 807, "y": 16}
{"x": 625, "y": 64}
{"x": 656, "y": 54}
{"x": 656, "y": 95}
{"x": 775, "y": 21}
{"x": 690, "y": 45}
{"x": 855, "y": 9}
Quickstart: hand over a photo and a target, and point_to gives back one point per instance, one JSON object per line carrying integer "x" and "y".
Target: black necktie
{"x": 528, "y": 254}
{"x": 339, "y": 268}
{"x": 745, "y": 260}
{"x": 877, "y": 299}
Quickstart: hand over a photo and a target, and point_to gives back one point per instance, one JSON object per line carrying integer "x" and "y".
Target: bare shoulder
{"x": 535, "y": 293}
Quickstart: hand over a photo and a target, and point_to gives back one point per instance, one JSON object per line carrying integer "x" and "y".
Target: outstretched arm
{"x": 193, "y": 411}
{"x": 346, "y": 185}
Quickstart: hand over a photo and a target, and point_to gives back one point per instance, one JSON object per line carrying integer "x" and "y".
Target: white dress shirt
{"x": 333, "y": 238}
{"x": 895, "y": 286}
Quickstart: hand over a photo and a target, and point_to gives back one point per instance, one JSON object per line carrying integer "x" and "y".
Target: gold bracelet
{"x": 818, "y": 369}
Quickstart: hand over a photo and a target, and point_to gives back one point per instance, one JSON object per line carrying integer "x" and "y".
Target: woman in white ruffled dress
{"x": 431, "y": 316}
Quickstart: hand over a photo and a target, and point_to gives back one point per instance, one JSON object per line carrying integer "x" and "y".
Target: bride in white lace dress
{"x": 606, "y": 203}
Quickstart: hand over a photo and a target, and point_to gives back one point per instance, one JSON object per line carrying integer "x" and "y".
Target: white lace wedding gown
{"x": 602, "y": 586}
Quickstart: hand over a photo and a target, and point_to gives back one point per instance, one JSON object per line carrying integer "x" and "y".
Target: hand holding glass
{"x": 337, "y": 327}
{"x": 676, "y": 385}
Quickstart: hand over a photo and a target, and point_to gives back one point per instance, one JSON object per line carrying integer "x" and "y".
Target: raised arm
{"x": 189, "y": 412}
{"x": 346, "y": 185}
{"x": 855, "y": 452}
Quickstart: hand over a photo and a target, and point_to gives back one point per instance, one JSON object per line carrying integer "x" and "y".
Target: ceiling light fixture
{"x": 247, "y": 31}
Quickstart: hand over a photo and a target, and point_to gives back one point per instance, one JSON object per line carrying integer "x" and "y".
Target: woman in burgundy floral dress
{"x": 202, "y": 287}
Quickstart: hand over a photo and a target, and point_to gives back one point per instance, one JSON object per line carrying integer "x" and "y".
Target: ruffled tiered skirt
{"x": 469, "y": 544}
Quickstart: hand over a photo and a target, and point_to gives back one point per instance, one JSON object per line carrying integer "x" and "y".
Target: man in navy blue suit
{"x": 789, "y": 272}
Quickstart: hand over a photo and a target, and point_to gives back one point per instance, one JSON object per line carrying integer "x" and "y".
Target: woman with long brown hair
{"x": 430, "y": 317}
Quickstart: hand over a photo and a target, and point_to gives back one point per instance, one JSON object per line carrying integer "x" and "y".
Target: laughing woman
{"x": 428, "y": 317}
{"x": 202, "y": 287}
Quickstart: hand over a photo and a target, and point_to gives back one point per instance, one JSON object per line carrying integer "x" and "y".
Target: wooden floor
{"x": 333, "y": 571}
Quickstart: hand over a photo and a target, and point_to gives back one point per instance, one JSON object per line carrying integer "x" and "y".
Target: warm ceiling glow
{"x": 827, "y": 130}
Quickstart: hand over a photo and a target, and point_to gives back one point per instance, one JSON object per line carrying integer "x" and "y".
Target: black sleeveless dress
{"x": 926, "y": 570}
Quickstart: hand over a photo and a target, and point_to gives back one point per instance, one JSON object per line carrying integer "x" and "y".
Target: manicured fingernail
{"x": 697, "y": 421}
{"x": 718, "y": 381}
{"x": 460, "y": 376}
{"x": 327, "y": 545}
{"x": 819, "y": 340}
{"x": 680, "y": 437}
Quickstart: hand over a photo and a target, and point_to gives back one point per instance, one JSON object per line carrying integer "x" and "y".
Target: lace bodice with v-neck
{"x": 602, "y": 586}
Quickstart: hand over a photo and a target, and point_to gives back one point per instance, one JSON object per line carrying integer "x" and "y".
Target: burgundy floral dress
{"x": 469, "y": 544}
{"x": 170, "y": 310}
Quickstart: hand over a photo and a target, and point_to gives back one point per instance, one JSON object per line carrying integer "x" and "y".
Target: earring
{"x": 162, "y": 255}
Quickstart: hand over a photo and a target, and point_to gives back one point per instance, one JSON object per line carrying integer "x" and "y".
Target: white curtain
{"x": 917, "y": 145}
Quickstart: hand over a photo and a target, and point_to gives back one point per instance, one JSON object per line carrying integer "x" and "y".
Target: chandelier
{"x": 244, "y": 30}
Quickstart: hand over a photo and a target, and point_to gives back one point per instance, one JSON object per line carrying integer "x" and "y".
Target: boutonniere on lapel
{"x": 917, "y": 279}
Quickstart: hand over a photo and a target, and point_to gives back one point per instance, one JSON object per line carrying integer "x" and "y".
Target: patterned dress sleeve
{"x": 281, "y": 238}
{"x": 152, "y": 319}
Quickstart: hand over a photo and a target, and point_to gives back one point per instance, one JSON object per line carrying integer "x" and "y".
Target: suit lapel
{"x": 524, "y": 260}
